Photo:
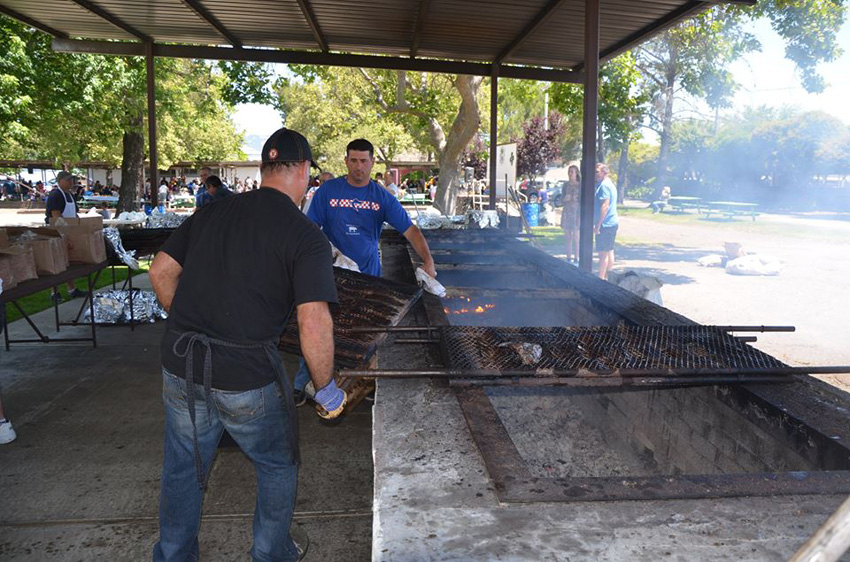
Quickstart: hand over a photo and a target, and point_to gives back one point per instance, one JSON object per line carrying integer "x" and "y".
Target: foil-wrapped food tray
{"x": 364, "y": 301}
{"x": 114, "y": 307}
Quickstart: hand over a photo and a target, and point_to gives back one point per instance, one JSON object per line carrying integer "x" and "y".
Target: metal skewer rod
{"x": 622, "y": 381}
{"x": 391, "y": 329}
{"x": 756, "y": 328}
{"x": 592, "y": 374}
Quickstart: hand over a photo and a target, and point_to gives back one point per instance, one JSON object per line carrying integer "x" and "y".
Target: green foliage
{"x": 77, "y": 107}
{"x": 622, "y": 102}
{"x": 333, "y": 106}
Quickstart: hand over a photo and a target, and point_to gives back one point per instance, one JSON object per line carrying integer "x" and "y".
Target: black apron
{"x": 207, "y": 342}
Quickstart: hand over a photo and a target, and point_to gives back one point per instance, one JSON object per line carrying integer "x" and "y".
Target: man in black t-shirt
{"x": 229, "y": 276}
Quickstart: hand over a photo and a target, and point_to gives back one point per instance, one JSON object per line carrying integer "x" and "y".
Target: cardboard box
{"x": 84, "y": 237}
{"x": 6, "y": 272}
{"x": 20, "y": 265}
{"x": 49, "y": 248}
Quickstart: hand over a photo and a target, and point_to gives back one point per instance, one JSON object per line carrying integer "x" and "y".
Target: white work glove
{"x": 343, "y": 261}
{"x": 429, "y": 283}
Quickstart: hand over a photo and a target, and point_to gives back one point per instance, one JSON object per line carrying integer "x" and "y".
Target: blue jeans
{"x": 257, "y": 420}
{"x": 302, "y": 377}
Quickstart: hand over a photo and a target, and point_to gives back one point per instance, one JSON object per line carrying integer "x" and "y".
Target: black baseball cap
{"x": 286, "y": 145}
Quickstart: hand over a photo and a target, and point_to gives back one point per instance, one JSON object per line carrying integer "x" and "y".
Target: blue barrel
{"x": 531, "y": 211}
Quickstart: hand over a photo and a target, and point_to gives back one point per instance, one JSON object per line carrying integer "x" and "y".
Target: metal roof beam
{"x": 424, "y": 7}
{"x": 214, "y": 22}
{"x": 326, "y": 59}
{"x": 117, "y": 22}
{"x": 307, "y": 10}
{"x": 541, "y": 18}
{"x": 31, "y": 22}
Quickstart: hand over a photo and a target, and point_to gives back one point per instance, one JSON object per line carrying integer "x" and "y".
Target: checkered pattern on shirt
{"x": 355, "y": 204}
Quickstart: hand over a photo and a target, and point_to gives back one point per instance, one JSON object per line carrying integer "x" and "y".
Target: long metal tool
{"x": 593, "y": 374}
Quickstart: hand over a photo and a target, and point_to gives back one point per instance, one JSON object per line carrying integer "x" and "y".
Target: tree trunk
{"x": 622, "y": 172}
{"x": 661, "y": 176}
{"x": 132, "y": 164}
{"x": 463, "y": 130}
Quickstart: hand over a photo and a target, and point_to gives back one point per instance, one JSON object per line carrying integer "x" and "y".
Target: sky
{"x": 765, "y": 78}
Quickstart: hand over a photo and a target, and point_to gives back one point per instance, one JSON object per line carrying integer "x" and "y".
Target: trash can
{"x": 531, "y": 212}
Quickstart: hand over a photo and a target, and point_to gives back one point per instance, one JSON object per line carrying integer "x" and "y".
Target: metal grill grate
{"x": 364, "y": 300}
{"x": 602, "y": 348}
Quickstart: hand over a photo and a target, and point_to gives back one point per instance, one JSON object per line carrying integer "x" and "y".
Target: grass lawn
{"x": 41, "y": 301}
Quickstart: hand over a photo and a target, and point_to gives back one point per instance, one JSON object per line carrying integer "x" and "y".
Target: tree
{"x": 439, "y": 112}
{"x": 694, "y": 56}
{"x": 622, "y": 103}
{"x": 93, "y": 107}
{"x": 539, "y": 146}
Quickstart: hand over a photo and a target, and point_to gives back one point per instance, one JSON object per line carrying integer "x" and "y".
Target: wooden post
{"x": 831, "y": 541}
{"x": 588, "y": 162}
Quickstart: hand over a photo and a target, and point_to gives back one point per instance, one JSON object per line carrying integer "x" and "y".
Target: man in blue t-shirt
{"x": 605, "y": 220}
{"x": 351, "y": 211}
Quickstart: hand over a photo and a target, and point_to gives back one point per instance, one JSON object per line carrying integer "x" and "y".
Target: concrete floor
{"x": 81, "y": 482}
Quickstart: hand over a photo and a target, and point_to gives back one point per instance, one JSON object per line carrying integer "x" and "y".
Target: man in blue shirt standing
{"x": 351, "y": 211}
{"x": 605, "y": 220}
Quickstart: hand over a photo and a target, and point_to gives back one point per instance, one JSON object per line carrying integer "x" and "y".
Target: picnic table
{"x": 415, "y": 198}
{"x": 731, "y": 209}
{"x": 95, "y": 200}
{"x": 682, "y": 203}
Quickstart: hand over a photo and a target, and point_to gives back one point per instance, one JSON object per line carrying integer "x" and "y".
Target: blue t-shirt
{"x": 352, "y": 218}
{"x": 606, "y": 190}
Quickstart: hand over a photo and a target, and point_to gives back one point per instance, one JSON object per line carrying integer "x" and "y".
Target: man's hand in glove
{"x": 331, "y": 401}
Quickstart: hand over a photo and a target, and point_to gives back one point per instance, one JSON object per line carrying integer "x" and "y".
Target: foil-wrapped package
{"x": 164, "y": 220}
{"x": 113, "y": 307}
{"x": 482, "y": 219}
{"x": 114, "y": 238}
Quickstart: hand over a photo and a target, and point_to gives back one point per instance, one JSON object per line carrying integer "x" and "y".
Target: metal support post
{"x": 149, "y": 67}
{"x": 588, "y": 162}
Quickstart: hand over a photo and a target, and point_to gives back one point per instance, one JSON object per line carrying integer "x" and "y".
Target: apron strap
{"x": 190, "y": 339}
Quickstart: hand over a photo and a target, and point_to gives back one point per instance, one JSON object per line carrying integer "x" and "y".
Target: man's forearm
{"x": 315, "y": 327}
{"x": 420, "y": 245}
{"x": 165, "y": 275}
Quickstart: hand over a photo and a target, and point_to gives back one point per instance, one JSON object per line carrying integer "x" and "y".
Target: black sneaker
{"x": 56, "y": 297}
{"x": 301, "y": 540}
{"x": 300, "y": 397}
{"x": 76, "y": 293}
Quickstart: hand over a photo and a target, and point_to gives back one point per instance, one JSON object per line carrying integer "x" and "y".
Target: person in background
{"x": 658, "y": 206}
{"x": 308, "y": 198}
{"x": 570, "y": 215}
{"x": 216, "y": 190}
{"x": 605, "y": 219}
{"x": 163, "y": 195}
{"x": 206, "y": 172}
{"x": 389, "y": 184}
{"x": 7, "y": 432}
{"x": 379, "y": 179}
{"x": 104, "y": 211}
{"x": 61, "y": 203}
